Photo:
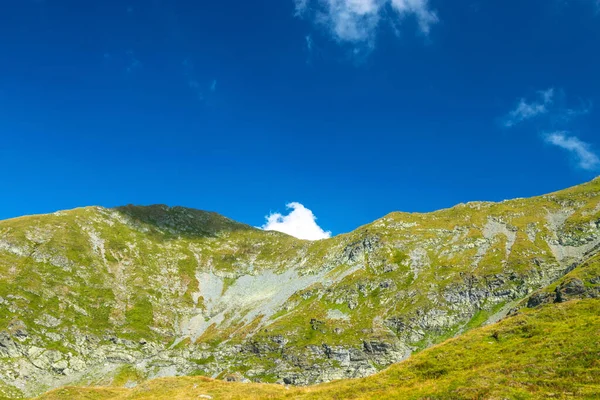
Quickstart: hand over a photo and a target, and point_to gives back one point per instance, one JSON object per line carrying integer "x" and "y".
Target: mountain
{"x": 98, "y": 296}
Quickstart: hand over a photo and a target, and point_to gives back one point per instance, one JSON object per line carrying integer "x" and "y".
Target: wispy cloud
{"x": 526, "y": 110}
{"x": 301, "y": 6}
{"x": 311, "y": 49}
{"x": 309, "y": 43}
{"x": 582, "y": 152}
{"x": 420, "y": 9}
{"x": 194, "y": 84}
{"x": 568, "y": 114}
{"x": 550, "y": 108}
{"x": 300, "y": 223}
{"x": 356, "y": 21}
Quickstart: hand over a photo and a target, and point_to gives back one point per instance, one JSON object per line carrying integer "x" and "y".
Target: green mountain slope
{"x": 550, "y": 352}
{"x": 100, "y": 296}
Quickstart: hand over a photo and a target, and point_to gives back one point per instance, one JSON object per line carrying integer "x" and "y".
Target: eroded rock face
{"x": 574, "y": 288}
{"x": 570, "y": 289}
{"x": 94, "y": 295}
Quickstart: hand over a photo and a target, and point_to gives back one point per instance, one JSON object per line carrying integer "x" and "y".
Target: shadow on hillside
{"x": 181, "y": 221}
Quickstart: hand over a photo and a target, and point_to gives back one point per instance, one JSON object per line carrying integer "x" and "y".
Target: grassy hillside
{"x": 97, "y": 296}
{"x": 548, "y": 352}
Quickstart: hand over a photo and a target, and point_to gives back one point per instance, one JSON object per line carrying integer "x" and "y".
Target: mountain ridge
{"x": 96, "y": 295}
{"x": 391, "y": 213}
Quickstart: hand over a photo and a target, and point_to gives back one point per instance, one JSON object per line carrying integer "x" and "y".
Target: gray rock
{"x": 573, "y": 288}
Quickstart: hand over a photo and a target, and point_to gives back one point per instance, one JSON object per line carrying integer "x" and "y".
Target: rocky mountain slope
{"x": 549, "y": 352}
{"x": 98, "y": 296}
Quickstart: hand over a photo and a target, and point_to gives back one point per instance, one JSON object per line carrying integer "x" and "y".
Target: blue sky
{"x": 353, "y": 108}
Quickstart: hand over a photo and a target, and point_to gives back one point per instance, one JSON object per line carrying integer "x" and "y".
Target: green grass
{"x": 140, "y": 316}
{"x": 127, "y": 374}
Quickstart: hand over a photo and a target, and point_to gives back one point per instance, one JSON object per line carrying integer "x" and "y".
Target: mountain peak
{"x": 183, "y": 220}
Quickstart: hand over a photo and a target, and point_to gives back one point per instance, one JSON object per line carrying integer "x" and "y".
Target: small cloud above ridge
{"x": 300, "y": 223}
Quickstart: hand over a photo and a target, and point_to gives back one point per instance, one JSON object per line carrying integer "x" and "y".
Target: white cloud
{"x": 586, "y": 158}
{"x": 300, "y": 223}
{"x": 356, "y": 21}
{"x": 549, "y": 103}
{"x": 525, "y": 110}
{"x": 420, "y": 8}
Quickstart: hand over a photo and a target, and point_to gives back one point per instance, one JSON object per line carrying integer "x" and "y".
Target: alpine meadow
{"x": 479, "y": 300}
